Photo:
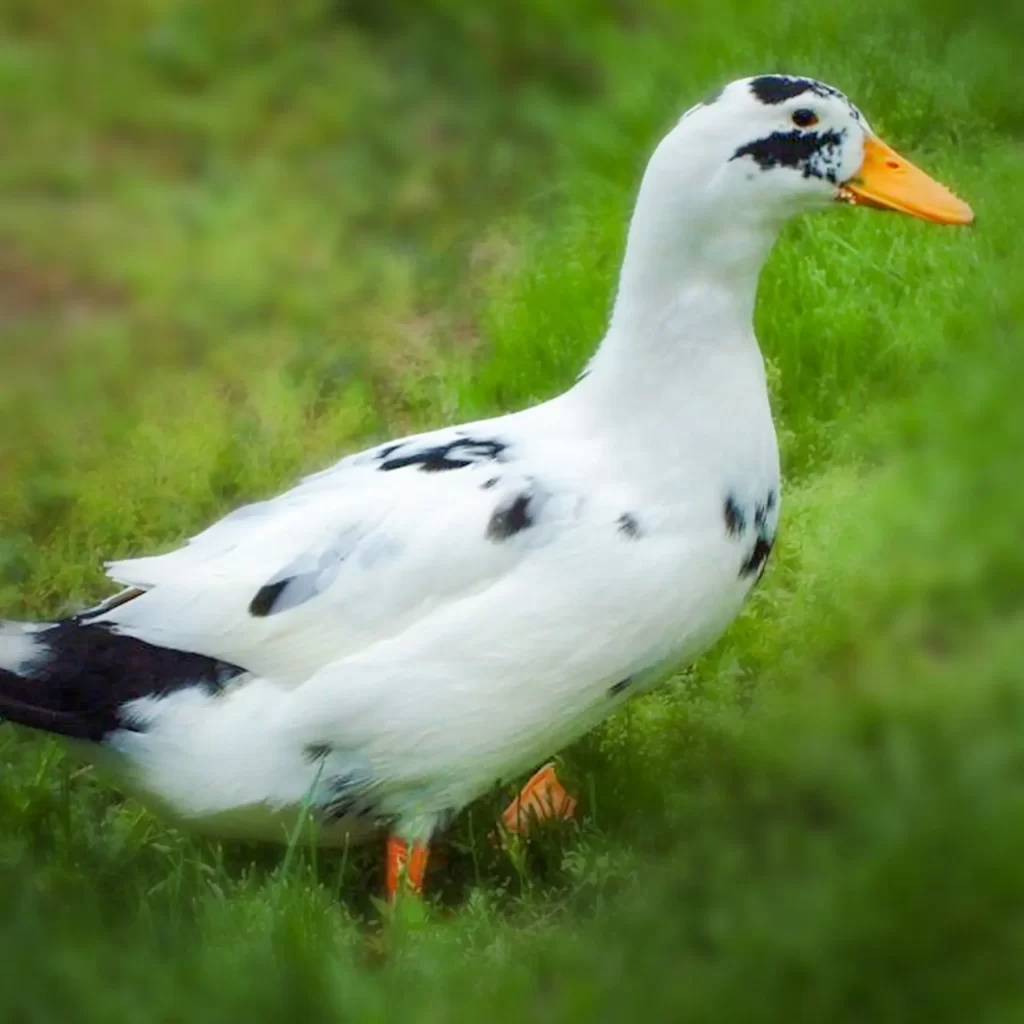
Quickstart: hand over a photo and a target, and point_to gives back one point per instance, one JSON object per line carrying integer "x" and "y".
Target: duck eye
{"x": 804, "y": 118}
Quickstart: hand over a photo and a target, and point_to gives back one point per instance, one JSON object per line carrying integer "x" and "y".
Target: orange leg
{"x": 405, "y": 862}
{"x": 543, "y": 798}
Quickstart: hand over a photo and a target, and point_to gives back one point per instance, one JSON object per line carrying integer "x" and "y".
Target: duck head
{"x": 715, "y": 194}
{"x": 776, "y": 145}
{"x": 734, "y": 168}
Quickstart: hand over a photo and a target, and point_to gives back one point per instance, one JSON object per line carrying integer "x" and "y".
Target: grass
{"x": 235, "y": 243}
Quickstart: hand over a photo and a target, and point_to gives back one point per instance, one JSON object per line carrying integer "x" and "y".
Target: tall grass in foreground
{"x": 237, "y": 243}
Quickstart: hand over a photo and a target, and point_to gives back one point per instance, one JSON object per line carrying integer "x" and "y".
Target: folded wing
{"x": 351, "y": 556}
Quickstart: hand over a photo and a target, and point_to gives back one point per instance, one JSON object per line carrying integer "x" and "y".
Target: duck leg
{"x": 405, "y": 862}
{"x": 543, "y": 798}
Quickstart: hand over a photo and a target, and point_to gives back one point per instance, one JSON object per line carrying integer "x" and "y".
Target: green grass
{"x": 237, "y": 241}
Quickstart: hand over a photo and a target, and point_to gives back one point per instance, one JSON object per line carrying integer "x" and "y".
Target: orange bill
{"x": 888, "y": 181}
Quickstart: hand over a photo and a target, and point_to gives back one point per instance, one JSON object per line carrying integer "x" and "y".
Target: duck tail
{"x": 22, "y": 697}
{"x": 18, "y": 646}
{"x": 78, "y": 679}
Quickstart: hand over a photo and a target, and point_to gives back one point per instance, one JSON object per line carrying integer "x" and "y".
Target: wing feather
{"x": 349, "y": 557}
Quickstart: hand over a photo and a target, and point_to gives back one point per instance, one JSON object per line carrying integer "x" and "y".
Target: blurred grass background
{"x": 240, "y": 239}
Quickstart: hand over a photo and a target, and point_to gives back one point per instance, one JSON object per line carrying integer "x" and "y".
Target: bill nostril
{"x": 894, "y": 164}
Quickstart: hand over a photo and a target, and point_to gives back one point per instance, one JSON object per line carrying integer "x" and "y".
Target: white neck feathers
{"x": 683, "y": 314}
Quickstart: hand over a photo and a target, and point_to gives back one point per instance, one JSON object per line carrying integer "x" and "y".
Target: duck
{"x": 375, "y": 648}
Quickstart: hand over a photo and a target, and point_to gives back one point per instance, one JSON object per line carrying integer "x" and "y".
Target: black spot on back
{"x": 266, "y": 597}
{"x": 488, "y": 484}
{"x": 464, "y": 451}
{"x": 735, "y": 520}
{"x": 510, "y": 519}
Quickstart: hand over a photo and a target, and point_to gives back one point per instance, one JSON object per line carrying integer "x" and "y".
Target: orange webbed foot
{"x": 543, "y": 798}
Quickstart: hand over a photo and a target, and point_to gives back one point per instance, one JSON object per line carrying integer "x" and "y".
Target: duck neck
{"x": 683, "y": 315}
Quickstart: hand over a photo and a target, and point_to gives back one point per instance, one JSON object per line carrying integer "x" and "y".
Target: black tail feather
{"x": 86, "y": 673}
{"x": 14, "y": 709}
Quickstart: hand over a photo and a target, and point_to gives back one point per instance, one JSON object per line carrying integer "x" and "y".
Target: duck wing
{"x": 351, "y": 556}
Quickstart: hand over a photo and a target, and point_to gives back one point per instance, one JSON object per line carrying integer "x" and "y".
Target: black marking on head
{"x": 621, "y": 686}
{"x": 314, "y": 752}
{"x": 735, "y": 520}
{"x": 464, "y": 451}
{"x": 87, "y": 673}
{"x": 757, "y": 558}
{"x": 510, "y": 518}
{"x": 816, "y": 153}
{"x": 629, "y": 525}
{"x": 775, "y": 89}
{"x": 266, "y": 597}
